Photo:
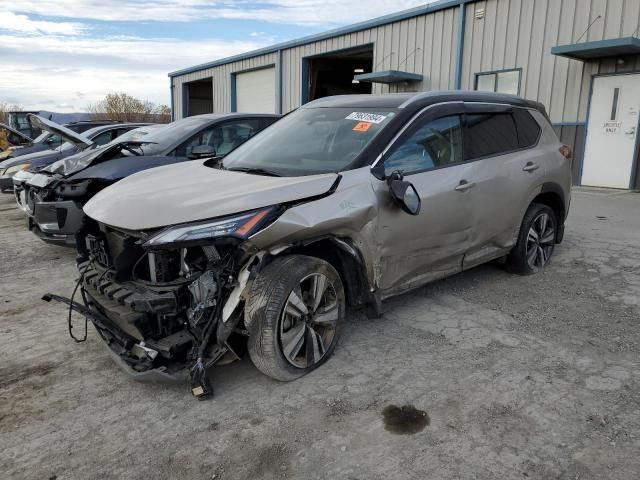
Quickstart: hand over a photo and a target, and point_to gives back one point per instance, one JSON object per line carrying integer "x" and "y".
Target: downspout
{"x": 459, "y": 54}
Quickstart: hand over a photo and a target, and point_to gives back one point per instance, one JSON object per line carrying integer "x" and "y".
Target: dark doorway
{"x": 199, "y": 97}
{"x": 332, "y": 73}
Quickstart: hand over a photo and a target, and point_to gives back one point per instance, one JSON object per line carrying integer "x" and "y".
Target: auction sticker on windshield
{"x": 366, "y": 117}
{"x": 362, "y": 127}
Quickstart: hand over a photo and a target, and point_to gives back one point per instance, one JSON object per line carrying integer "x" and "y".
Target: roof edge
{"x": 376, "y": 22}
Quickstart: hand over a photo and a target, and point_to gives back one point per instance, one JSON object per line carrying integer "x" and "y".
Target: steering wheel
{"x": 446, "y": 151}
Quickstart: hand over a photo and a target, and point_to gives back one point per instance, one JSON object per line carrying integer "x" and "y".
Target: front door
{"x": 430, "y": 245}
{"x": 612, "y": 131}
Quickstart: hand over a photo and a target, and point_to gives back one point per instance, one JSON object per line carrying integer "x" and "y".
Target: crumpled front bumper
{"x": 117, "y": 310}
{"x": 56, "y": 222}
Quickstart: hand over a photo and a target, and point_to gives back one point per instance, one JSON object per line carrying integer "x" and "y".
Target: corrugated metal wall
{"x": 221, "y": 81}
{"x": 425, "y": 44}
{"x": 510, "y": 34}
{"x": 520, "y": 33}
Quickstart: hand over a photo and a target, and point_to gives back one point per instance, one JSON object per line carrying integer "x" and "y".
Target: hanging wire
{"x": 590, "y": 25}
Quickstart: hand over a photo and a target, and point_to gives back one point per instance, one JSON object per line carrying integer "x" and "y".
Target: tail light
{"x": 566, "y": 152}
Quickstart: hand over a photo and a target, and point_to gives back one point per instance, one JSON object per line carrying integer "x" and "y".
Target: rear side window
{"x": 490, "y": 134}
{"x": 528, "y": 128}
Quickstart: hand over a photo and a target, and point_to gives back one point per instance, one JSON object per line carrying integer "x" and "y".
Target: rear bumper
{"x": 57, "y": 222}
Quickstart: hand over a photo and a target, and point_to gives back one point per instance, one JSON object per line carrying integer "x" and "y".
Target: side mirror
{"x": 404, "y": 193}
{"x": 202, "y": 151}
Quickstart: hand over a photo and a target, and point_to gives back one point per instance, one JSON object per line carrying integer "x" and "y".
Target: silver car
{"x": 344, "y": 202}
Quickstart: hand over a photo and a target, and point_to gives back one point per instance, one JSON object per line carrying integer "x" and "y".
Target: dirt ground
{"x": 500, "y": 377}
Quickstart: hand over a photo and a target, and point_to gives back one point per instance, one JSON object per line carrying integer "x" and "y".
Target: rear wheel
{"x": 294, "y": 316}
{"x": 536, "y": 241}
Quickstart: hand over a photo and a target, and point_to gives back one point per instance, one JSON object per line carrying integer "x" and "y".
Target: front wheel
{"x": 536, "y": 241}
{"x": 294, "y": 316}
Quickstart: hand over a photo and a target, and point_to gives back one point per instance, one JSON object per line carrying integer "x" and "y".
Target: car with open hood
{"x": 53, "y": 198}
{"x": 344, "y": 202}
{"x": 47, "y": 140}
{"x": 10, "y": 138}
{"x": 73, "y": 143}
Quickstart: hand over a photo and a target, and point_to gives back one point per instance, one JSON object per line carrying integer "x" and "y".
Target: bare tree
{"x": 5, "y": 108}
{"x": 123, "y": 107}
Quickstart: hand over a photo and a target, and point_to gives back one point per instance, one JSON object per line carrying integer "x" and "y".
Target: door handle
{"x": 463, "y": 186}
{"x": 530, "y": 167}
{"x": 631, "y": 132}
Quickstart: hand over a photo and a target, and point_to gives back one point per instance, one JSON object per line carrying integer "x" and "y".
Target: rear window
{"x": 490, "y": 134}
{"x": 528, "y": 128}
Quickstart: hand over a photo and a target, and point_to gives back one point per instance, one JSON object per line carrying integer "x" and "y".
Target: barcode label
{"x": 366, "y": 117}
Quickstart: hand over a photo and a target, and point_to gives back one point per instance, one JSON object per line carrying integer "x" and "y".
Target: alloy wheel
{"x": 309, "y": 320}
{"x": 540, "y": 241}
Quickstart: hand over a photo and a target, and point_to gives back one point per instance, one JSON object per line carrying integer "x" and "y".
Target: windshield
{"x": 311, "y": 141}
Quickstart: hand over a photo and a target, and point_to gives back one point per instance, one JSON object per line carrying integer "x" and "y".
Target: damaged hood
{"x": 67, "y": 135}
{"x": 191, "y": 191}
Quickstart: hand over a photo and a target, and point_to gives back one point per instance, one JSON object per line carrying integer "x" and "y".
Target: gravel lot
{"x": 521, "y": 377}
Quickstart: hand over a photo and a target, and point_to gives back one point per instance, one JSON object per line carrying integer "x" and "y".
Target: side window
{"x": 222, "y": 137}
{"x": 504, "y": 81}
{"x": 54, "y": 141}
{"x": 528, "y": 128}
{"x": 104, "y": 137}
{"x": 427, "y": 146}
{"x": 490, "y": 134}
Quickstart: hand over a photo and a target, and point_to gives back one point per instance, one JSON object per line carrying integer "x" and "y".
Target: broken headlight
{"x": 238, "y": 226}
{"x": 11, "y": 171}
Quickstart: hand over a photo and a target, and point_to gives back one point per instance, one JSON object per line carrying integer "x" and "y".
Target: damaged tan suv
{"x": 344, "y": 202}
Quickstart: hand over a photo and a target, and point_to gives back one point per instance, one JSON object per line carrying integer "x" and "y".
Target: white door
{"x": 612, "y": 131}
{"x": 256, "y": 91}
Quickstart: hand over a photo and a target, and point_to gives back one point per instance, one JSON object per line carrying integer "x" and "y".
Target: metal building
{"x": 580, "y": 58}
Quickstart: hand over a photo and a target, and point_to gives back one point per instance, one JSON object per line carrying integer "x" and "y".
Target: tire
{"x": 284, "y": 342}
{"x": 533, "y": 250}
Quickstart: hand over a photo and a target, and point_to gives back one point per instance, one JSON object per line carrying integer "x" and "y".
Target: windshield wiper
{"x": 255, "y": 171}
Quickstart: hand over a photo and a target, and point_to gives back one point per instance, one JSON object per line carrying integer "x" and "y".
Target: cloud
{"x": 49, "y": 61}
{"x": 72, "y": 73}
{"x": 292, "y": 12}
{"x": 22, "y": 23}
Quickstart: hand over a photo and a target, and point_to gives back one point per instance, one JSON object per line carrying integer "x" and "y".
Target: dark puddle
{"x": 405, "y": 420}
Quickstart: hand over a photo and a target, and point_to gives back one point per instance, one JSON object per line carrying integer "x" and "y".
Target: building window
{"x": 503, "y": 81}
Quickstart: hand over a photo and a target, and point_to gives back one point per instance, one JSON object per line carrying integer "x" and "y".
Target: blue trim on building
{"x": 462, "y": 21}
{"x": 280, "y": 86}
{"x": 598, "y": 49}
{"x": 173, "y": 113}
{"x": 304, "y": 80}
{"x": 234, "y": 97}
{"x": 568, "y": 124}
{"x": 185, "y": 100}
{"x": 376, "y": 22}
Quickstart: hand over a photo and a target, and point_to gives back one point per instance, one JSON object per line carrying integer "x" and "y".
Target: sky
{"x": 63, "y": 55}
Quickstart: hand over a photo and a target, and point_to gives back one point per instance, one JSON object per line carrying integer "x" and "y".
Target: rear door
{"x": 504, "y": 170}
{"x": 430, "y": 245}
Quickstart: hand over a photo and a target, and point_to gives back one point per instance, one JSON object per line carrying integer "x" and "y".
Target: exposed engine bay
{"x": 160, "y": 310}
